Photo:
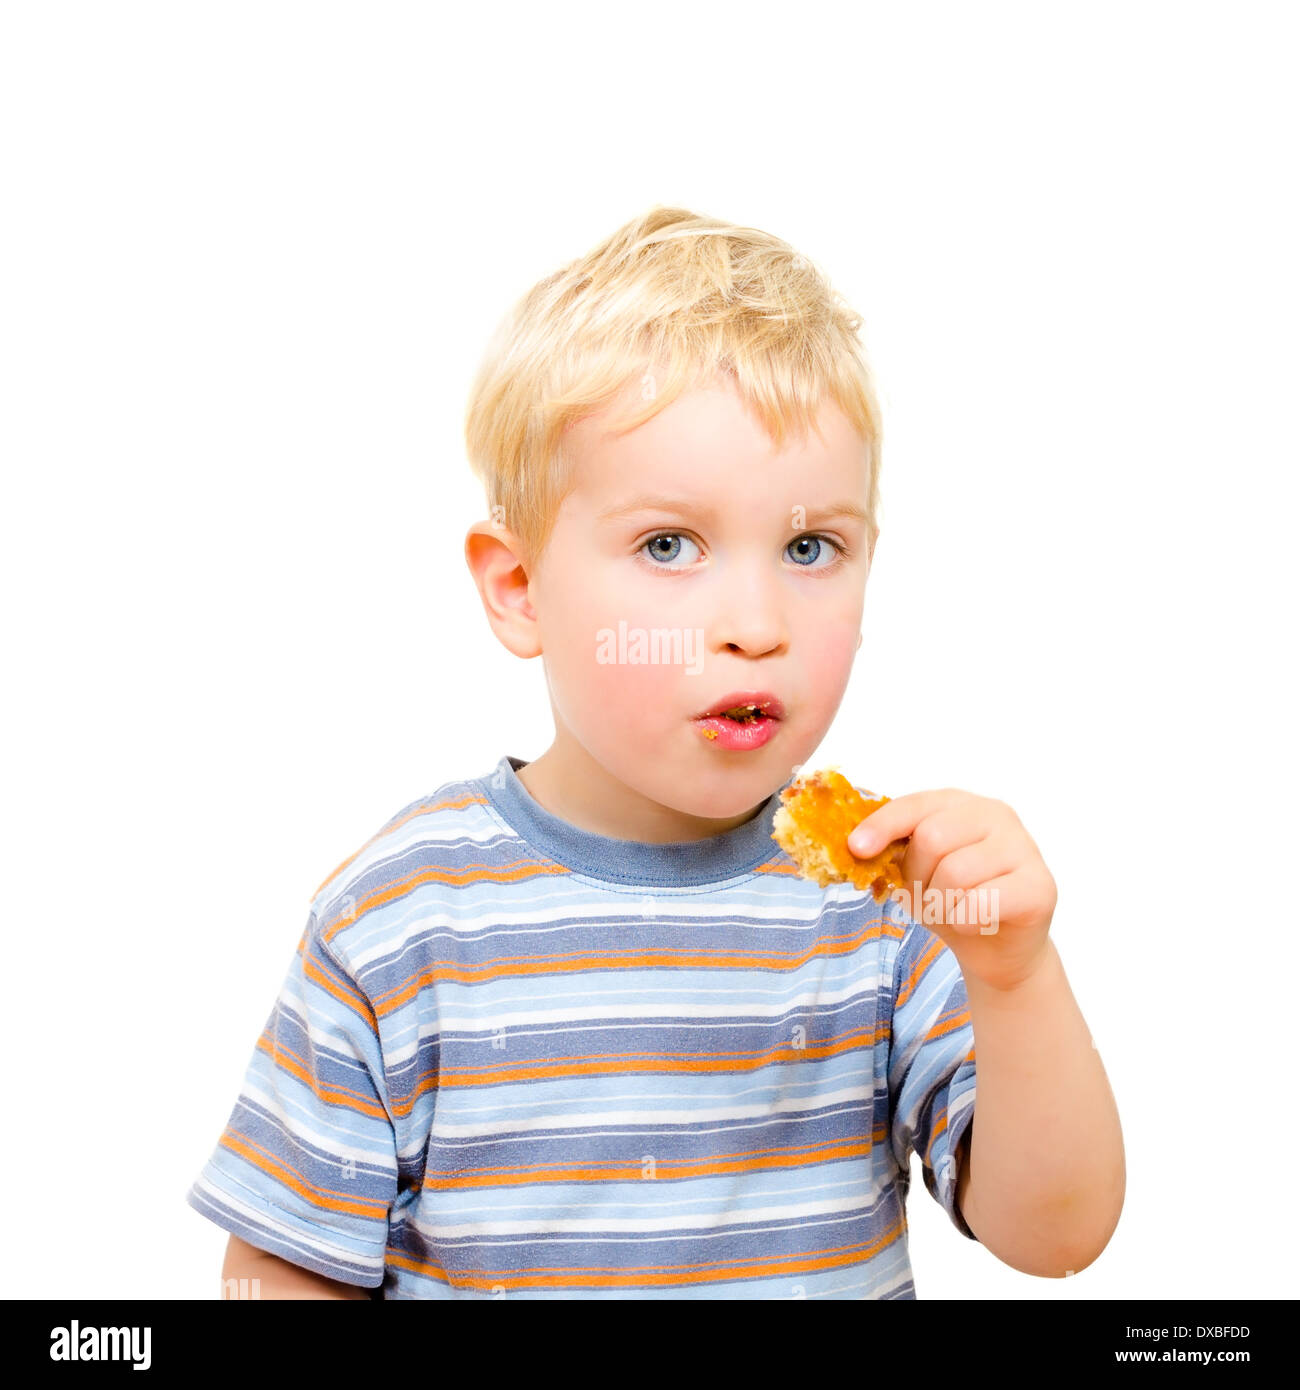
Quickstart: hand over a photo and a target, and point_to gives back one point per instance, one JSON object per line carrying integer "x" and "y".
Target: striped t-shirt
{"x": 513, "y": 1058}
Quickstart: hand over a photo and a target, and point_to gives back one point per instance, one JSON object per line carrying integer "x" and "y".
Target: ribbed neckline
{"x": 678, "y": 864}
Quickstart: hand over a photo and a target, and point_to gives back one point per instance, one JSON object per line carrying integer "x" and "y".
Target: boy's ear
{"x": 493, "y": 555}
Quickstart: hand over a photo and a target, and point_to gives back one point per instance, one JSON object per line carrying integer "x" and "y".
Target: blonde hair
{"x": 689, "y": 297}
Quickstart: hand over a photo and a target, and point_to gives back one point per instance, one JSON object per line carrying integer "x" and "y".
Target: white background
{"x": 254, "y": 252}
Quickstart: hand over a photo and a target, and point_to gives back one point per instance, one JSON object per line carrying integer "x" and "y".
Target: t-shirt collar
{"x": 679, "y": 864}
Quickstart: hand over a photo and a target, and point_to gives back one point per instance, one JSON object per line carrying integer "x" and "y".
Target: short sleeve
{"x": 306, "y": 1167}
{"x": 931, "y": 1064}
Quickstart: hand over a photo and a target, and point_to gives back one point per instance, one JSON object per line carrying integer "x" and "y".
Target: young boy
{"x": 577, "y": 1028}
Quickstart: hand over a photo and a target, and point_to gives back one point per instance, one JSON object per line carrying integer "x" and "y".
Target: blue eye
{"x": 664, "y": 549}
{"x": 807, "y": 550}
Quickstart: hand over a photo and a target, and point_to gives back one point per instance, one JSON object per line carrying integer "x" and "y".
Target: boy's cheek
{"x": 637, "y": 695}
{"x": 826, "y": 662}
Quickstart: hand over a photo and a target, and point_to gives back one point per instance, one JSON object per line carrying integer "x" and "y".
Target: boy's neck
{"x": 568, "y": 782}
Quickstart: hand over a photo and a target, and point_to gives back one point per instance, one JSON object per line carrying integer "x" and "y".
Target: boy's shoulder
{"x": 429, "y": 842}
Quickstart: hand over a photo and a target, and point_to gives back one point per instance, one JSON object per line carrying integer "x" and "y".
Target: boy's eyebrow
{"x": 649, "y": 502}
{"x": 853, "y": 511}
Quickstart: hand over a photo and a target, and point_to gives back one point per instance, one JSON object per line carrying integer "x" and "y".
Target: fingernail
{"x": 862, "y": 843}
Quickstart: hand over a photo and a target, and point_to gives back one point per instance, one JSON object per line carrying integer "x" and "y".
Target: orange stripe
{"x": 759, "y": 1160}
{"x": 949, "y": 1023}
{"x": 504, "y": 967}
{"x": 940, "y": 1124}
{"x": 289, "y": 1062}
{"x": 274, "y": 1167}
{"x": 514, "y": 872}
{"x": 345, "y": 992}
{"x": 474, "y": 873}
{"x": 919, "y": 969}
{"x": 631, "y": 1172}
{"x": 660, "y": 1275}
{"x": 681, "y": 1064}
{"x": 455, "y": 804}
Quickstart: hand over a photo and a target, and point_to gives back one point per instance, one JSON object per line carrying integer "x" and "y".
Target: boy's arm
{"x": 1042, "y": 1181}
{"x": 277, "y": 1278}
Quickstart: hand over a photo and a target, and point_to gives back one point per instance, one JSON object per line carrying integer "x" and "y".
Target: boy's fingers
{"x": 940, "y": 835}
{"x": 896, "y": 819}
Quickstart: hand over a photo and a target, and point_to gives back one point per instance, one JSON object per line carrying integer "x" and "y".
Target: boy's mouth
{"x": 745, "y": 707}
{"x": 742, "y": 721}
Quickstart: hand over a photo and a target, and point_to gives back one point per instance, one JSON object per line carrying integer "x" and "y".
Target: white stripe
{"x": 357, "y": 1146}
{"x": 655, "y": 1194}
{"x": 545, "y": 1101}
{"x": 697, "y": 1119}
{"x": 292, "y": 1235}
{"x": 559, "y": 1019}
{"x": 701, "y": 1226}
{"x": 387, "y": 932}
{"x": 432, "y": 827}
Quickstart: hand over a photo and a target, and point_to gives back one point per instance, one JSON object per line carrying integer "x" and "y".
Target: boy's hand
{"x": 961, "y": 844}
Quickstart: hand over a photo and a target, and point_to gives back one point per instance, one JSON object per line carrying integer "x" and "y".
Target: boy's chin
{"x": 715, "y": 793}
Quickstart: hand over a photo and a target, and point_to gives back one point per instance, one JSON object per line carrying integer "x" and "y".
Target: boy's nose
{"x": 749, "y": 619}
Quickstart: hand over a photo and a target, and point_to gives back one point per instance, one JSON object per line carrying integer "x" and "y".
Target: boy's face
{"x": 688, "y": 540}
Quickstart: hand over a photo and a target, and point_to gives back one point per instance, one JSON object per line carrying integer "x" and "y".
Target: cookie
{"x": 813, "y": 823}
